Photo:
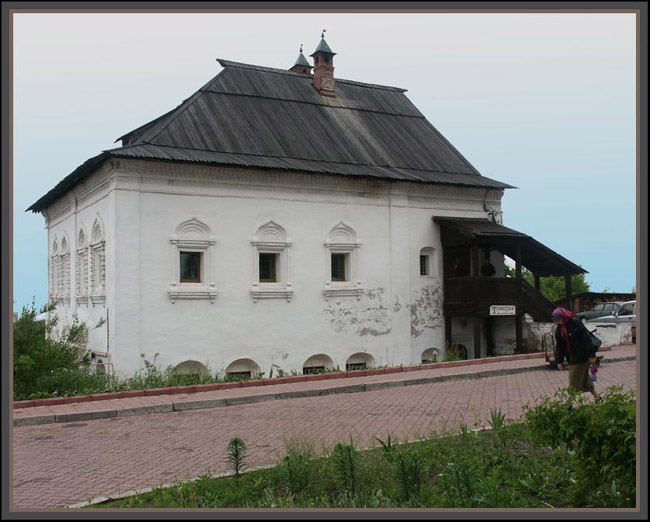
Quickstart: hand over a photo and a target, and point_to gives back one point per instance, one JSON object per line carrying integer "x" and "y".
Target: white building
{"x": 283, "y": 218}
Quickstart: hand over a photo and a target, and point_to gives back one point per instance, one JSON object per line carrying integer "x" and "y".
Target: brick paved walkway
{"x": 60, "y": 464}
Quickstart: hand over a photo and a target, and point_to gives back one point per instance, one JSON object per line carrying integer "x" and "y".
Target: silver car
{"x": 600, "y": 310}
{"x": 625, "y": 314}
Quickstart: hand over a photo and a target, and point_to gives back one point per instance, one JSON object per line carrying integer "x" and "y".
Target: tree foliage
{"x": 43, "y": 366}
{"x": 553, "y": 287}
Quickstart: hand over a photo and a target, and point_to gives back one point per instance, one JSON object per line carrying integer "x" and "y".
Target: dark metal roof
{"x": 535, "y": 256}
{"x": 301, "y": 60}
{"x": 322, "y": 47}
{"x": 253, "y": 116}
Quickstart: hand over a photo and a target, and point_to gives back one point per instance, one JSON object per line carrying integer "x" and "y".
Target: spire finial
{"x": 300, "y": 48}
{"x": 322, "y": 35}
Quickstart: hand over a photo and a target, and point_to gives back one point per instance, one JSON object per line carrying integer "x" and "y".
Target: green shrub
{"x": 599, "y": 440}
{"x": 45, "y": 367}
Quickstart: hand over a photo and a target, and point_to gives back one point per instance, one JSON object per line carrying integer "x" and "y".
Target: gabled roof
{"x": 260, "y": 117}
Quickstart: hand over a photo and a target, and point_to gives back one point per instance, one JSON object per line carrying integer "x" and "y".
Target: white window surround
{"x": 81, "y": 268}
{"x": 432, "y": 262}
{"x": 271, "y": 238}
{"x": 64, "y": 282}
{"x": 54, "y": 271}
{"x": 343, "y": 239}
{"x": 97, "y": 264}
{"x": 192, "y": 236}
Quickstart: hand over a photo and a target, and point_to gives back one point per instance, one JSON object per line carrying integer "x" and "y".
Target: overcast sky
{"x": 544, "y": 102}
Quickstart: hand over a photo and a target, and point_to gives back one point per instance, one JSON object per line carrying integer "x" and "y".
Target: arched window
{"x": 54, "y": 271}
{"x": 317, "y": 364}
{"x": 243, "y": 369}
{"x": 271, "y": 275}
{"x": 81, "y": 268}
{"x": 428, "y": 262}
{"x": 342, "y": 246}
{"x": 64, "y": 280}
{"x": 431, "y": 355}
{"x": 97, "y": 263}
{"x": 359, "y": 361}
{"x": 189, "y": 368}
{"x": 192, "y": 258}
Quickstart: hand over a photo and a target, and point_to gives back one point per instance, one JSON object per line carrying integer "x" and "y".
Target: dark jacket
{"x": 579, "y": 348}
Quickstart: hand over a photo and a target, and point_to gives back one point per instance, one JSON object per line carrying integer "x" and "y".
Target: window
{"x": 268, "y": 264}
{"x": 602, "y": 308}
{"x": 54, "y": 271}
{"x": 312, "y": 370}
{"x": 627, "y": 309}
{"x": 317, "y": 364}
{"x": 81, "y": 269}
{"x": 338, "y": 266}
{"x": 191, "y": 265}
{"x": 342, "y": 247}
{"x": 359, "y": 361}
{"x": 271, "y": 277}
{"x": 97, "y": 264}
{"x": 65, "y": 271}
{"x": 427, "y": 262}
{"x": 424, "y": 266}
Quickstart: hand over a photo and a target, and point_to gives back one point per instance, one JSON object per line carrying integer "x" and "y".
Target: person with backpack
{"x": 573, "y": 342}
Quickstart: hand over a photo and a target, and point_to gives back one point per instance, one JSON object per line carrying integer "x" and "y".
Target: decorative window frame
{"x": 54, "y": 271}
{"x": 64, "y": 277}
{"x": 342, "y": 239}
{"x": 271, "y": 238}
{"x": 192, "y": 235}
{"x": 81, "y": 268}
{"x": 97, "y": 262}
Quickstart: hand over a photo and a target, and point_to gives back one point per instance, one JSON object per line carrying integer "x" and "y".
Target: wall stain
{"x": 367, "y": 316}
{"x": 426, "y": 310}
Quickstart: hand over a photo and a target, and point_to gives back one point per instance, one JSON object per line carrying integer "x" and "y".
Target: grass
{"x": 503, "y": 467}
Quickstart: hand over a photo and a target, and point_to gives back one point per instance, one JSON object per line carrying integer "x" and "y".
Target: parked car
{"x": 600, "y": 310}
{"x": 625, "y": 314}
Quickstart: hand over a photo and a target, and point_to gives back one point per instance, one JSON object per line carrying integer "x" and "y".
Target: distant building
{"x": 293, "y": 219}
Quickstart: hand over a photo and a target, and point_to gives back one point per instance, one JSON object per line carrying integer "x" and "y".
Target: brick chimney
{"x": 324, "y": 68}
{"x": 301, "y": 65}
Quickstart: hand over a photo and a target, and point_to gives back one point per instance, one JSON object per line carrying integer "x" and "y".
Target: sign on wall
{"x": 503, "y": 310}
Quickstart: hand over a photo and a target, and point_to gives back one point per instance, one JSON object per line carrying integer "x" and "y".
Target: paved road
{"x": 56, "y": 465}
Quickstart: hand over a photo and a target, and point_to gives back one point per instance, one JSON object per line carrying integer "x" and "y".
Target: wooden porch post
{"x": 518, "y": 261}
{"x": 475, "y": 260}
{"x": 489, "y": 335}
{"x": 448, "y": 330}
{"x": 567, "y": 286}
{"x": 538, "y": 285}
{"x": 477, "y": 337}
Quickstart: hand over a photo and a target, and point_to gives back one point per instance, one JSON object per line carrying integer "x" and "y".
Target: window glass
{"x": 190, "y": 267}
{"x": 626, "y": 310}
{"x": 338, "y": 267}
{"x": 424, "y": 265}
{"x": 268, "y": 263}
{"x": 600, "y": 308}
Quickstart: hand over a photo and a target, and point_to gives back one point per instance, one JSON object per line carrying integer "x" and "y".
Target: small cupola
{"x": 301, "y": 65}
{"x": 324, "y": 68}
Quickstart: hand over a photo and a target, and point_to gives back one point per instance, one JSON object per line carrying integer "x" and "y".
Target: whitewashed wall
{"x": 80, "y": 209}
{"x": 397, "y": 317}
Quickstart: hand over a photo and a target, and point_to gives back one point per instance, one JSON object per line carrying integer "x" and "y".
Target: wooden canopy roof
{"x": 535, "y": 256}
